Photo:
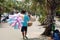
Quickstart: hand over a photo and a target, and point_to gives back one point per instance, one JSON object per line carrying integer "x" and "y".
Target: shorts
{"x": 24, "y": 28}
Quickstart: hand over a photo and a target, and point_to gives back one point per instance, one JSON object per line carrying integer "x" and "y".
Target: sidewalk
{"x": 8, "y": 33}
{"x": 57, "y": 24}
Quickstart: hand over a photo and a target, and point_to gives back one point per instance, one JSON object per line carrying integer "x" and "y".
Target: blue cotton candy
{"x": 16, "y": 26}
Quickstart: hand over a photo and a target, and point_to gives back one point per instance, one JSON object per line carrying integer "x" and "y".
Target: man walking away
{"x": 25, "y": 24}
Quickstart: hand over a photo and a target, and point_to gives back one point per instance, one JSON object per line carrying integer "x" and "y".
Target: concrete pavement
{"x": 9, "y": 33}
{"x": 57, "y": 23}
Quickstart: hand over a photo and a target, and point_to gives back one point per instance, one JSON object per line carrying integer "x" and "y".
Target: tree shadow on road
{"x": 33, "y": 39}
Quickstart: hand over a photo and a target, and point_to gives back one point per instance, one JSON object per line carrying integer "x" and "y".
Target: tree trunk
{"x": 0, "y": 18}
{"x": 0, "y": 13}
{"x": 50, "y": 5}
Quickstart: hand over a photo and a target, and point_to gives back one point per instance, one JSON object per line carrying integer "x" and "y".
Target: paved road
{"x": 9, "y": 33}
{"x": 57, "y": 24}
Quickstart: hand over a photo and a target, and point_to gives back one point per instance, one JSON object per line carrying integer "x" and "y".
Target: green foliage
{"x": 8, "y": 5}
{"x": 37, "y": 6}
{"x": 41, "y": 8}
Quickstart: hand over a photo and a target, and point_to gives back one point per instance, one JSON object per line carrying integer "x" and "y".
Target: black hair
{"x": 23, "y": 12}
{"x": 56, "y": 31}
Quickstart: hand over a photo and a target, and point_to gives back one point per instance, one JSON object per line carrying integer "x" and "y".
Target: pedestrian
{"x": 56, "y": 35}
{"x": 24, "y": 24}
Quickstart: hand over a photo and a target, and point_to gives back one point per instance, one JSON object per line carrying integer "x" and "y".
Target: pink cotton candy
{"x": 17, "y": 20}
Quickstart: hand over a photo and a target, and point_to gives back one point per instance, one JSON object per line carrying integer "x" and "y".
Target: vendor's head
{"x": 23, "y": 12}
{"x": 56, "y": 31}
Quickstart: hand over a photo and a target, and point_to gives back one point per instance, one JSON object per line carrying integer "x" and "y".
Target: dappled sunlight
{"x": 43, "y": 16}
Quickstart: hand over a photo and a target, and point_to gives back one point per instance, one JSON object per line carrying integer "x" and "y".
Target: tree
{"x": 50, "y": 7}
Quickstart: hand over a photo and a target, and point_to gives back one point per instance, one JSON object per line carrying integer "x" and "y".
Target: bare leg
{"x": 26, "y": 34}
{"x": 23, "y": 34}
